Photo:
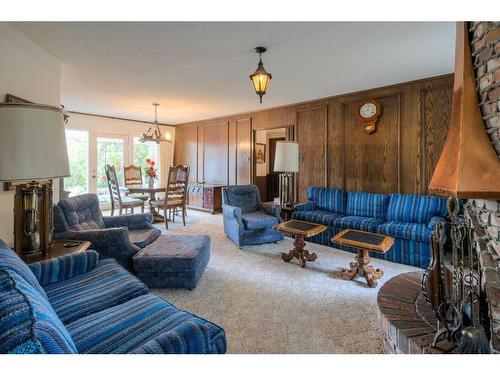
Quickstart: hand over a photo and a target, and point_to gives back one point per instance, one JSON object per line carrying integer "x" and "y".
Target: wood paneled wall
{"x": 399, "y": 157}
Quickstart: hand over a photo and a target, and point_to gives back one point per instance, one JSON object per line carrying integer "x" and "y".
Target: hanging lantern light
{"x": 154, "y": 133}
{"x": 260, "y": 78}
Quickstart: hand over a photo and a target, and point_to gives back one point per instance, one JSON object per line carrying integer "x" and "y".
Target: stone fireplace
{"x": 485, "y": 49}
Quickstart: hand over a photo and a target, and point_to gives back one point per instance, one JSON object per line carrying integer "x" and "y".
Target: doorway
{"x": 264, "y": 146}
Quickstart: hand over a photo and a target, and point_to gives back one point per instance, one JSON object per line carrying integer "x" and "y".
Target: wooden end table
{"x": 56, "y": 251}
{"x": 300, "y": 230}
{"x": 364, "y": 242}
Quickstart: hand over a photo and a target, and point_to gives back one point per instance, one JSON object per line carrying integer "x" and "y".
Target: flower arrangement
{"x": 150, "y": 170}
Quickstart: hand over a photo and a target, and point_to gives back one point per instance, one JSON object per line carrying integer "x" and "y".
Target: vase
{"x": 151, "y": 182}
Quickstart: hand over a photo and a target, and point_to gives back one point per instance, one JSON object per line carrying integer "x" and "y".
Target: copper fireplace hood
{"x": 468, "y": 166}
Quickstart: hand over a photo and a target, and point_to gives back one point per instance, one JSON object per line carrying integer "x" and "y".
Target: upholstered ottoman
{"x": 173, "y": 261}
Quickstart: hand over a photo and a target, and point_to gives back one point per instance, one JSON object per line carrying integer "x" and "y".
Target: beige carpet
{"x": 268, "y": 306}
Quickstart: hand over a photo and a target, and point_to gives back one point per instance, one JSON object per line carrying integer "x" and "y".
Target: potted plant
{"x": 150, "y": 172}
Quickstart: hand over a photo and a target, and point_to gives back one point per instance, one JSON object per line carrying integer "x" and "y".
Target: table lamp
{"x": 32, "y": 148}
{"x": 286, "y": 162}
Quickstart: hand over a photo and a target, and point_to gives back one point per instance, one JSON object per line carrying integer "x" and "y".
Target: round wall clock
{"x": 367, "y": 114}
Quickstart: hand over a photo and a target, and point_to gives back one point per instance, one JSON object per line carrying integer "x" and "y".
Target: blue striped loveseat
{"x": 80, "y": 303}
{"x": 410, "y": 219}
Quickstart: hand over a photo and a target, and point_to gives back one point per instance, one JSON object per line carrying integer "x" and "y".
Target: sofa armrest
{"x": 307, "y": 206}
{"x": 109, "y": 243}
{"x": 232, "y": 213}
{"x": 134, "y": 221}
{"x": 271, "y": 209}
{"x": 64, "y": 267}
{"x": 190, "y": 337}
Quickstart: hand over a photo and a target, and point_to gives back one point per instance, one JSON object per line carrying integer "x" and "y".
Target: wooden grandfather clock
{"x": 367, "y": 114}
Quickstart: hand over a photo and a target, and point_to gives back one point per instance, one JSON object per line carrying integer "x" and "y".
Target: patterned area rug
{"x": 268, "y": 306}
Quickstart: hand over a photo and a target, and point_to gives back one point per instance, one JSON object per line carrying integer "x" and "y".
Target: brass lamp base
{"x": 33, "y": 218}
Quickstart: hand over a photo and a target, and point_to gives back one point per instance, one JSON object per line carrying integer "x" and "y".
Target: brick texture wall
{"x": 485, "y": 47}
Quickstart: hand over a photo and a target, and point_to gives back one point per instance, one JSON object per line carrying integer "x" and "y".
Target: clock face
{"x": 367, "y": 110}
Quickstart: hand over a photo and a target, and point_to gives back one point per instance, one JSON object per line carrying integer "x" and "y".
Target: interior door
{"x": 105, "y": 149}
{"x": 312, "y": 138}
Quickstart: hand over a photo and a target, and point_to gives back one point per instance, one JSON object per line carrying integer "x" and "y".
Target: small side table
{"x": 364, "y": 242}
{"x": 300, "y": 230}
{"x": 57, "y": 250}
{"x": 287, "y": 211}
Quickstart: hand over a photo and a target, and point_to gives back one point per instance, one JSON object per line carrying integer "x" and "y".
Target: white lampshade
{"x": 32, "y": 142}
{"x": 287, "y": 157}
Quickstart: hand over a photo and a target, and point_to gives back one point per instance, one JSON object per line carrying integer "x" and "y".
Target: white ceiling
{"x": 199, "y": 70}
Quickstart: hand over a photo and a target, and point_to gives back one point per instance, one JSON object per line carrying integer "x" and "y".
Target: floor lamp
{"x": 32, "y": 153}
{"x": 286, "y": 162}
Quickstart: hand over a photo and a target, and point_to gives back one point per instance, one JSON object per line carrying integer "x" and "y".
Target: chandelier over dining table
{"x": 154, "y": 133}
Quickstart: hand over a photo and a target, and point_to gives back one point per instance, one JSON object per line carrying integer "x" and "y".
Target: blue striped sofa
{"x": 80, "y": 303}
{"x": 410, "y": 219}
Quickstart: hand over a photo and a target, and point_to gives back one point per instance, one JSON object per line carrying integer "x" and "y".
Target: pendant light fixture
{"x": 154, "y": 133}
{"x": 260, "y": 78}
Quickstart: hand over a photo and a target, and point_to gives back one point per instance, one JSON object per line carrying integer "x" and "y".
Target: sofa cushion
{"x": 415, "y": 208}
{"x": 406, "y": 231}
{"x": 106, "y": 285}
{"x": 143, "y": 237}
{"x": 317, "y": 216}
{"x": 358, "y": 222}
{"x": 327, "y": 199}
{"x": 367, "y": 204}
{"x": 28, "y": 323}
{"x": 82, "y": 212}
{"x": 244, "y": 197}
{"x": 126, "y": 327}
{"x": 9, "y": 261}
{"x": 258, "y": 220}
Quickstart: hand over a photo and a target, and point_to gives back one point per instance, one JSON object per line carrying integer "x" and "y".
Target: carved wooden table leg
{"x": 299, "y": 252}
{"x": 361, "y": 267}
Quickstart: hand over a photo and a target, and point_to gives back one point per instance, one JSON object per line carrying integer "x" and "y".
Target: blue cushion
{"x": 28, "y": 324}
{"x": 106, "y": 285}
{"x": 366, "y": 204}
{"x": 358, "y": 222}
{"x": 9, "y": 261}
{"x": 126, "y": 327}
{"x": 245, "y": 197}
{"x": 81, "y": 212}
{"x": 327, "y": 199}
{"x": 258, "y": 220}
{"x": 317, "y": 216}
{"x": 406, "y": 231}
{"x": 415, "y": 208}
{"x": 143, "y": 237}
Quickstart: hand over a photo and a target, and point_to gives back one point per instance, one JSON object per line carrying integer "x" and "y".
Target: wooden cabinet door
{"x": 186, "y": 150}
{"x": 312, "y": 138}
{"x": 215, "y": 154}
{"x": 243, "y": 151}
{"x": 371, "y": 161}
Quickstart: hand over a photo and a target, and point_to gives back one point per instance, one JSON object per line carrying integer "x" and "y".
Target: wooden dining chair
{"x": 132, "y": 175}
{"x": 175, "y": 194}
{"x": 117, "y": 201}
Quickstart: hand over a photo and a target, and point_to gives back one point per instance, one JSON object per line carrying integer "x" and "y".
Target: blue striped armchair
{"x": 80, "y": 303}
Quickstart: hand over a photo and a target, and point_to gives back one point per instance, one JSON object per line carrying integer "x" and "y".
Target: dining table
{"x": 151, "y": 191}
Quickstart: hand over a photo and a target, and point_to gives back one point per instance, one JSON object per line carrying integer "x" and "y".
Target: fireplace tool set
{"x": 452, "y": 285}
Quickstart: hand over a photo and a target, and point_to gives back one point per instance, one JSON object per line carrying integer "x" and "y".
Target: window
{"x": 77, "y": 142}
{"x": 146, "y": 150}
